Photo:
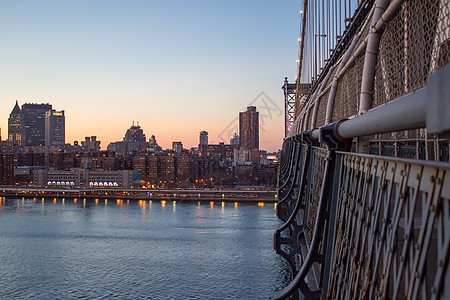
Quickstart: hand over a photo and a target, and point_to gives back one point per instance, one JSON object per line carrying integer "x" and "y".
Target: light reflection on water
{"x": 138, "y": 249}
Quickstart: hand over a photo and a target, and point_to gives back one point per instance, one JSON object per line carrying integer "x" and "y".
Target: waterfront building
{"x": 54, "y": 128}
{"x": 203, "y": 138}
{"x": 166, "y": 168}
{"x": 34, "y": 123}
{"x": 183, "y": 167}
{"x": 16, "y": 135}
{"x": 85, "y": 177}
{"x": 249, "y": 129}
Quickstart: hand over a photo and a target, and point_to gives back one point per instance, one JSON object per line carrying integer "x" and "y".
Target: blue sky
{"x": 177, "y": 67}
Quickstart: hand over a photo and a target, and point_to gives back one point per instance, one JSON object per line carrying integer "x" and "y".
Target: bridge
{"x": 364, "y": 176}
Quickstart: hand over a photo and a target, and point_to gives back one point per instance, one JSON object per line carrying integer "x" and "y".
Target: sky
{"x": 176, "y": 67}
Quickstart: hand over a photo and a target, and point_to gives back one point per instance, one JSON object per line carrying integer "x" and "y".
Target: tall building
{"x": 34, "y": 123}
{"x": 54, "y": 128}
{"x": 133, "y": 141}
{"x": 6, "y": 169}
{"x": 135, "y": 134}
{"x": 16, "y": 135}
{"x": 177, "y": 147}
{"x": 203, "y": 138}
{"x": 249, "y": 129}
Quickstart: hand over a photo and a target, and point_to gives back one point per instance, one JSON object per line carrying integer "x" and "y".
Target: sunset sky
{"x": 177, "y": 67}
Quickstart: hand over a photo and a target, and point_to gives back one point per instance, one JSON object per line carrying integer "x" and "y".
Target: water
{"x": 138, "y": 250}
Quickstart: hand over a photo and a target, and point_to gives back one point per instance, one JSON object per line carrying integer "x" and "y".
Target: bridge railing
{"x": 359, "y": 225}
{"x": 392, "y": 233}
{"x": 365, "y": 226}
{"x": 385, "y": 50}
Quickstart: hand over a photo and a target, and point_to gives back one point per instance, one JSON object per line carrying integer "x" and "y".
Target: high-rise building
{"x": 177, "y": 147}
{"x": 6, "y": 169}
{"x": 135, "y": 134}
{"x": 55, "y": 128}
{"x": 203, "y": 138}
{"x": 16, "y": 135}
{"x": 249, "y": 129}
{"x": 34, "y": 123}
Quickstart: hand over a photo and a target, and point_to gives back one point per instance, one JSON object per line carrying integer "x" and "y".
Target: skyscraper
{"x": 16, "y": 134}
{"x": 34, "y": 123}
{"x": 54, "y": 128}
{"x": 203, "y": 138}
{"x": 249, "y": 129}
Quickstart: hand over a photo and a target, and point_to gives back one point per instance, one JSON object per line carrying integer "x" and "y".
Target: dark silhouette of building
{"x": 177, "y": 147}
{"x": 133, "y": 141}
{"x": 90, "y": 144}
{"x": 6, "y": 169}
{"x": 55, "y": 133}
{"x": 203, "y": 138}
{"x": 249, "y": 129}
{"x": 16, "y": 134}
{"x": 34, "y": 123}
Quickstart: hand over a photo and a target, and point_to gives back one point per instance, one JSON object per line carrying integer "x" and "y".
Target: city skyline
{"x": 178, "y": 68}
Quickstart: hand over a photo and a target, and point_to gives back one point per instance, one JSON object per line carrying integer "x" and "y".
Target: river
{"x": 97, "y": 249}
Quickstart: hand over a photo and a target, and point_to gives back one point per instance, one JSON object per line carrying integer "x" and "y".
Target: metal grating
{"x": 441, "y": 42}
{"x": 319, "y": 156}
{"x": 348, "y": 90}
{"x": 392, "y": 229}
{"x": 406, "y": 48}
{"x": 323, "y": 101}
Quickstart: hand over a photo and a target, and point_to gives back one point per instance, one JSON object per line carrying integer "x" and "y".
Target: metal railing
{"x": 364, "y": 185}
{"x": 363, "y": 226}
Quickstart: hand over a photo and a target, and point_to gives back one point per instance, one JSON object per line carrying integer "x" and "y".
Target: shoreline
{"x": 143, "y": 194}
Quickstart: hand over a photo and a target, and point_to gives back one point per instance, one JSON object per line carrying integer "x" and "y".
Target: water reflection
{"x": 200, "y": 246}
